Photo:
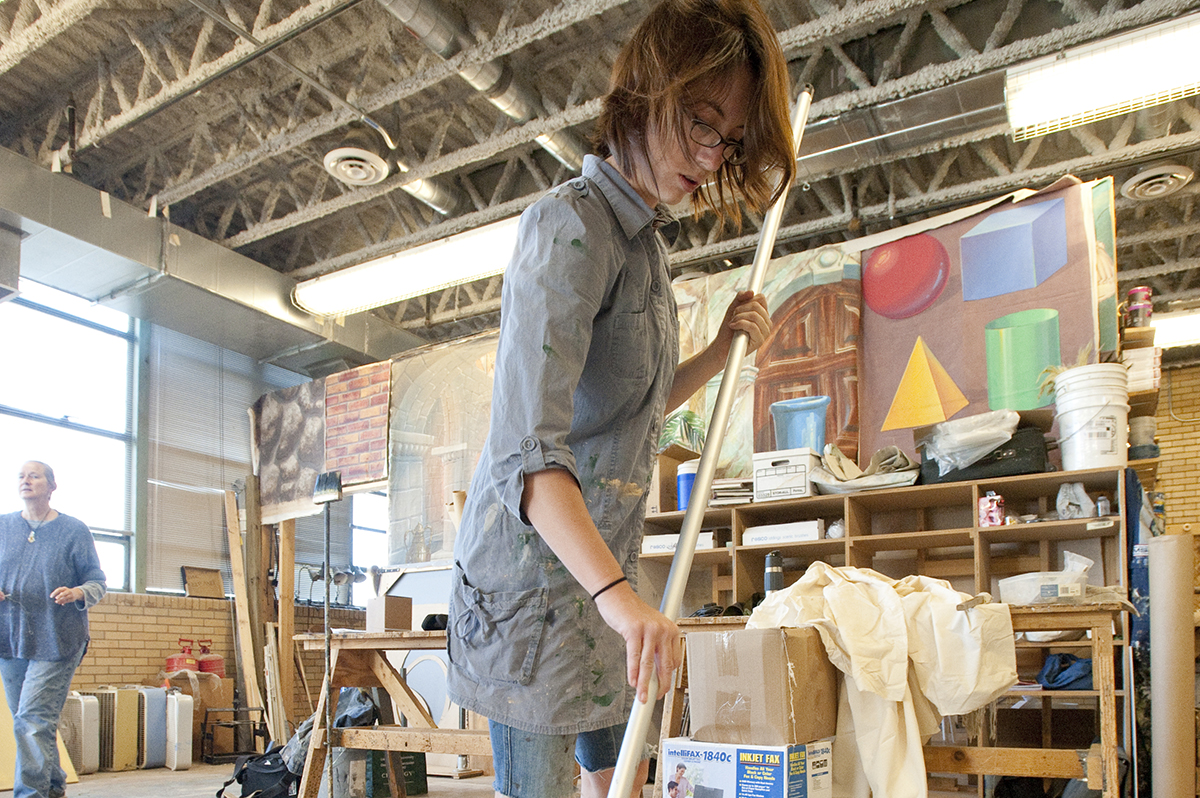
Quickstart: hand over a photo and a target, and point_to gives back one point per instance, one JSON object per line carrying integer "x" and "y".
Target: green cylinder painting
{"x": 1019, "y": 347}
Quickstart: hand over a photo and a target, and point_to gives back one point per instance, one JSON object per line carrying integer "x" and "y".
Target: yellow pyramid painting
{"x": 926, "y": 394}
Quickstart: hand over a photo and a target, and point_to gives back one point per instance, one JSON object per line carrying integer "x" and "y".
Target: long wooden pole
{"x": 639, "y": 719}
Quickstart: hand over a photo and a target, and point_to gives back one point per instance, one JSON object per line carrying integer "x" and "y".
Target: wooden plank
{"x": 314, "y": 762}
{"x": 275, "y": 715}
{"x": 413, "y": 710}
{"x": 287, "y": 617}
{"x": 246, "y": 667}
{"x": 1035, "y": 762}
{"x": 406, "y": 738}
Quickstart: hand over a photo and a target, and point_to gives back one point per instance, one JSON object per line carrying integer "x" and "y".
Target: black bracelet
{"x": 607, "y": 587}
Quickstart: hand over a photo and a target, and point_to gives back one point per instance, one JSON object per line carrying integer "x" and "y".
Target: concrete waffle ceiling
{"x": 224, "y": 109}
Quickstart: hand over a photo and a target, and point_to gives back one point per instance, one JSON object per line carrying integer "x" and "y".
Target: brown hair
{"x": 689, "y": 49}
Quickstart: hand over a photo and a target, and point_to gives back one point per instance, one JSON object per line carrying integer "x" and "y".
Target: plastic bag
{"x": 1074, "y": 502}
{"x": 961, "y": 442}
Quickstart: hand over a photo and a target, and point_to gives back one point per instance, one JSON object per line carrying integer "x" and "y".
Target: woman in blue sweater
{"x": 49, "y": 576}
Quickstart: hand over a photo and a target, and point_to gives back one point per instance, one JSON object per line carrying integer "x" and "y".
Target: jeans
{"x": 36, "y": 691}
{"x": 532, "y": 765}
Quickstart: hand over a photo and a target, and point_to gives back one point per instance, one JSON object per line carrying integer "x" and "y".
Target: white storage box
{"x": 665, "y": 544}
{"x": 783, "y": 474}
{"x": 784, "y": 533}
{"x": 1044, "y": 587}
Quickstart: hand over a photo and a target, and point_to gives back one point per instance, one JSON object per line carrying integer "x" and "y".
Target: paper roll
{"x": 1172, "y": 661}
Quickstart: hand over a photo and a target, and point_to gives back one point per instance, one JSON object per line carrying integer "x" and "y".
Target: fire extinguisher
{"x": 183, "y": 661}
{"x": 210, "y": 662}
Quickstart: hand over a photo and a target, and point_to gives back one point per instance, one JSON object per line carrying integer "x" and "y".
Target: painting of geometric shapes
{"x": 356, "y": 423}
{"x": 992, "y": 327}
{"x": 926, "y": 394}
{"x": 289, "y": 435}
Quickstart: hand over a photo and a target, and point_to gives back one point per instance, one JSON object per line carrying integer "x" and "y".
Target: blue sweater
{"x": 63, "y": 554}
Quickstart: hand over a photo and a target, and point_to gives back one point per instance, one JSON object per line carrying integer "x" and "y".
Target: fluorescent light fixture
{"x": 1139, "y": 69}
{"x": 1176, "y": 329}
{"x": 461, "y": 258}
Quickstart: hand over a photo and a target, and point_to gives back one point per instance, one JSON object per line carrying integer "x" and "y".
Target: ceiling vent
{"x": 1155, "y": 182}
{"x": 359, "y": 159}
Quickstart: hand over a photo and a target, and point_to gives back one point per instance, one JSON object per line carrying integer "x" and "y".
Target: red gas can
{"x": 183, "y": 661}
{"x": 210, "y": 662}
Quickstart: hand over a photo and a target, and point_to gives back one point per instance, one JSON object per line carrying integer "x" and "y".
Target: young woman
{"x": 546, "y": 633}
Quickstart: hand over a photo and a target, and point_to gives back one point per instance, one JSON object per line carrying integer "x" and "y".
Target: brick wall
{"x": 133, "y": 634}
{"x": 1179, "y": 398}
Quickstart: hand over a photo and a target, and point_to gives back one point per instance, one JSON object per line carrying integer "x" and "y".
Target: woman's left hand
{"x": 67, "y": 595}
{"x": 746, "y": 313}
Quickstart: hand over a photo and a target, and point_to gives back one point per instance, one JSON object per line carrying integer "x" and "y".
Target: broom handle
{"x": 639, "y": 719}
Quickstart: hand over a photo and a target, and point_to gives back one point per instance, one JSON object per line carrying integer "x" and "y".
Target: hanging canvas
{"x": 963, "y": 316}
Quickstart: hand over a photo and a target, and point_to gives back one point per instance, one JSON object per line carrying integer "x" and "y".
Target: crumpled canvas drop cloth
{"x": 908, "y": 656}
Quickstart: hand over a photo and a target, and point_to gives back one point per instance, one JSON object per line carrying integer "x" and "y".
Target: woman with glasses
{"x": 547, "y": 636}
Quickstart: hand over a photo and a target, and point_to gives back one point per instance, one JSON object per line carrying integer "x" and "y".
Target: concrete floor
{"x": 203, "y": 781}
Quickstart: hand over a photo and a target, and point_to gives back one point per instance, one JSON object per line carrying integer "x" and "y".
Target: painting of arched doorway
{"x": 812, "y": 350}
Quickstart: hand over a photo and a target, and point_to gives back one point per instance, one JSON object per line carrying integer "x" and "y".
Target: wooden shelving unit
{"x": 933, "y": 530}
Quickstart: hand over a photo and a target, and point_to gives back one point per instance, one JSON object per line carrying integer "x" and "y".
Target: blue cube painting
{"x": 1014, "y": 249}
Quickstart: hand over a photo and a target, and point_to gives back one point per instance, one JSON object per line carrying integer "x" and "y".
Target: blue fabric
{"x": 524, "y": 760}
{"x": 589, "y": 343}
{"x": 36, "y": 691}
{"x": 62, "y": 554}
{"x": 1066, "y": 672}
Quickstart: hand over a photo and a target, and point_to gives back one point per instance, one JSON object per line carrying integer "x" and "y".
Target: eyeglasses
{"x": 705, "y": 135}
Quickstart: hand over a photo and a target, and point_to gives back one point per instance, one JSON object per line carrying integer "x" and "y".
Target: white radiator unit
{"x": 179, "y": 730}
{"x": 118, "y": 727}
{"x": 79, "y": 726}
{"x": 152, "y": 727}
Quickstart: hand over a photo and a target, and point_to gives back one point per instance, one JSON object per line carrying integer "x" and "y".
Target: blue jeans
{"x": 36, "y": 691}
{"x": 532, "y": 765}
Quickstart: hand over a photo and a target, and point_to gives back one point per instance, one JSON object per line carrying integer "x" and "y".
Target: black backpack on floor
{"x": 261, "y": 775}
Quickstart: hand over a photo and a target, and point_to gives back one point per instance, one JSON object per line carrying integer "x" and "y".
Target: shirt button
{"x": 656, "y": 286}
{"x": 529, "y": 444}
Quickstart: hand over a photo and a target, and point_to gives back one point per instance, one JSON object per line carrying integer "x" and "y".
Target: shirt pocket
{"x": 628, "y": 349}
{"x": 495, "y": 636}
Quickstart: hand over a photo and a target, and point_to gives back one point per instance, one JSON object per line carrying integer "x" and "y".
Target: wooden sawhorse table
{"x": 358, "y": 659}
{"x": 1100, "y": 764}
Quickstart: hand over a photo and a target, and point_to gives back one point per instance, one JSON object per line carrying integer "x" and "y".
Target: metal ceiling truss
{"x": 860, "y": 91}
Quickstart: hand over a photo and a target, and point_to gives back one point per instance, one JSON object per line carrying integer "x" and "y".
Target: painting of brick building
{"x": 356, "y": 423}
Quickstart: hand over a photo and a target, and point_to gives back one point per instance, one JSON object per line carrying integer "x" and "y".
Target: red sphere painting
{"x": 905, "y": 277}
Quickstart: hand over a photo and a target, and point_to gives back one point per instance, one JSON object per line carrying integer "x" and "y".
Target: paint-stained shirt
{"x": 589, "y": 343}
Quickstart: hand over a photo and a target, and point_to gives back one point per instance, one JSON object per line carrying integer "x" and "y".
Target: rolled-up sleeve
{"x": 558, "y": 280}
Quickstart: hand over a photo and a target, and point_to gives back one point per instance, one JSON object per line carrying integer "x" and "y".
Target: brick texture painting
{"x": 356, "y": 423}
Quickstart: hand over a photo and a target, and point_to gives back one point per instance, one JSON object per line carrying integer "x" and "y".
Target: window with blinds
{"x": 198, "y": 431}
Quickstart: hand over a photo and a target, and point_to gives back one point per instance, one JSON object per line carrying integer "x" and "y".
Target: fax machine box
{"x": 722, "y": 770}
{"x": 783, "y": 474}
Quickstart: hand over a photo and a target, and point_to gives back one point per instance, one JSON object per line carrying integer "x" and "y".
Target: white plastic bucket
{"x": 1092, "y": 405}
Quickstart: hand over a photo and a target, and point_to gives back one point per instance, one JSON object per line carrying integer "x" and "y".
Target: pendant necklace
{"x": 33, "y": 529}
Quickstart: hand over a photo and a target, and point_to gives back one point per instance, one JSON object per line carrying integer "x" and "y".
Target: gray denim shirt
{"x": 589, "y": 343}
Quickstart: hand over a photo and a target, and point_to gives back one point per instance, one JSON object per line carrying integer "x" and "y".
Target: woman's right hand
{"x": 652, "y": 641}
{"x": 2, "y": 596}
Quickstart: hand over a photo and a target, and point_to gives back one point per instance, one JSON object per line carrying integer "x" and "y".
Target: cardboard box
{"x": 665, "y": 544}
{"x": 784, "y": 533}
{"x": 783, "y": 474}
{"x": 385, "y": 613}
{"x": 718, "y": 770}
{"x": 761, "y": 687}
{"x": 661, "y": 498}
